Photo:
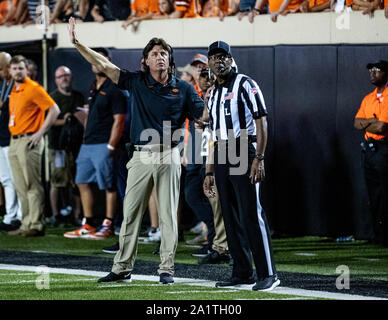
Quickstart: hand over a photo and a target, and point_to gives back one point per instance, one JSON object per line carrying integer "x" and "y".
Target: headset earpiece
{"x": 171, "y": 60}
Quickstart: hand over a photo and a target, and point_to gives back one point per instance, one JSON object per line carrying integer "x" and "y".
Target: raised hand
{"x": 71, "y": 28}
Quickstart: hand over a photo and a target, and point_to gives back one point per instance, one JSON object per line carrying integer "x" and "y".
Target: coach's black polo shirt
{"x": 105, "y": 102}
{"x": 152, "y": 103}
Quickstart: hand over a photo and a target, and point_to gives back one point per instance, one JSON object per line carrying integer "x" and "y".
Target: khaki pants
{"x": 26, "y": 170}
{"x": 61, "y": 177}
{"x": 147, "y": 169}
{"x": 219, "y": 242}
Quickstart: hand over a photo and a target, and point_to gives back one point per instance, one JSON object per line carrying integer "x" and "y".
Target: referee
{"x": 237, "y": 115}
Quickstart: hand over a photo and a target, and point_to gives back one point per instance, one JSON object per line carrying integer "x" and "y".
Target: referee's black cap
{"x": 381, "y": 64}
{"x": 219, "y": 46}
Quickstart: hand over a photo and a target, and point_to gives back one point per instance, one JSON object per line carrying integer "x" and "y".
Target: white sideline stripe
{"x": 51, "y": 280}
{"x": 126, "y": 284}
{"x": 202, "y": 291}
{"x": 202, "y": 283}
{"x": 307, "y": 298}
{"x": 19, "y": 274}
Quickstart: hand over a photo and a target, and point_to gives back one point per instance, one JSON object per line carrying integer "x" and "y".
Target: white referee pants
{"x": 12, "y": 204}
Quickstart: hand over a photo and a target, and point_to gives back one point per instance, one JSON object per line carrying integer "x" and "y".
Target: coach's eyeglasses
{"x": 219, "y": 56}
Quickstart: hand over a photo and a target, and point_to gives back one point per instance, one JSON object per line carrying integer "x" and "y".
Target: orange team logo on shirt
{"x": 175, "y": 90}
{"x": 103, "y": 93}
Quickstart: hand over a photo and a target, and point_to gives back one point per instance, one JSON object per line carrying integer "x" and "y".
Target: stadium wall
{"x": 313, "y": 77}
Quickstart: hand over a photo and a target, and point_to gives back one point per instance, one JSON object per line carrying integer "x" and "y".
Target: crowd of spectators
{"x": 132, "y": 12}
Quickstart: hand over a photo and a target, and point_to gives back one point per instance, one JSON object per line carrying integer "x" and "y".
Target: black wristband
{"x": 259, "y": 156}
{"x": 209, "y": 174}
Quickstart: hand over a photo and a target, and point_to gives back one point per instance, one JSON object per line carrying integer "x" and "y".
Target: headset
{"x": 171, "y": 60}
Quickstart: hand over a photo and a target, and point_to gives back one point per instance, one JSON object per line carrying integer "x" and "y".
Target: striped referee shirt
{"x": 234, "y": 106}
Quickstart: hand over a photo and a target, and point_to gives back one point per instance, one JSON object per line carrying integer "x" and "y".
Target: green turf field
{"x": 307, "y": 255}
{"x": 317, "y": 255}
{"x": 17, "y": 285}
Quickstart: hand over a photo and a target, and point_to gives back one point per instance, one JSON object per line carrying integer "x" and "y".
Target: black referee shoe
{"x": 266, "y": 284}
{"x": 113, "y": 277}
{"x": 214, "y": 258}
{"x": 112, "y": 249}
{"x": 166, "y": 278}
{"x": 235, "y": 281}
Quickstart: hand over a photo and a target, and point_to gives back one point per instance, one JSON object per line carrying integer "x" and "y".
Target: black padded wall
{"x": 304, "y": 117}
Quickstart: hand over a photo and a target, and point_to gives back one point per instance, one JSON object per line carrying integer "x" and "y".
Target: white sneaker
{"x": 153, "y": 236}
{"x": 197, "y": 228}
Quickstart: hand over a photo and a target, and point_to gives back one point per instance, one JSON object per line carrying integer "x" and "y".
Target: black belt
{"x": 17, "y": 136}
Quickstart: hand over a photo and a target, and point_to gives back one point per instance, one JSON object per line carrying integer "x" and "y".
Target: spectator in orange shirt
{"x": 187, "y": 9}
{"x": 386, "y": 8}
{"x": 19, "y": 15}
{"x": 216, "y": 8}
{"x": 312, "y": 6}
{"x": 7, "y": 10}
{"x": 369, "y": 6}
{"x": 140, "y": 8}
{"x": 372, "y": 120}
{"x": 165, "y": 10}
{"x": 276, "y": 8}
{"x": 27, "y": 124}
{"x": 318, "y": 5}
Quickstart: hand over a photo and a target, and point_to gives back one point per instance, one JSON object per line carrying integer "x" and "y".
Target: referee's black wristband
{"x": 209, "y": 174}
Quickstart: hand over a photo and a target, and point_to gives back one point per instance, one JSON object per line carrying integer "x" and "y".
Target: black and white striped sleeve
{"x": 253, "y": 98}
